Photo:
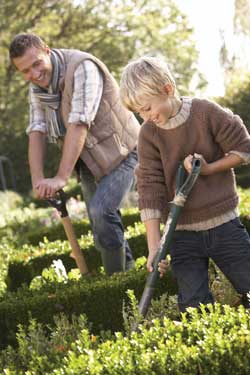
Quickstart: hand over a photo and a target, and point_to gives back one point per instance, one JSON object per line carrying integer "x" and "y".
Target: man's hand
{"x": 47, "y": 187}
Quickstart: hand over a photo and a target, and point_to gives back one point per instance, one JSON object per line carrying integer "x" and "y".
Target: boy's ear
{"x": 169, "y": 89}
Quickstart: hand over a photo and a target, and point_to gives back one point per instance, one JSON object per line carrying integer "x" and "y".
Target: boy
{"x": 176, "y": 128}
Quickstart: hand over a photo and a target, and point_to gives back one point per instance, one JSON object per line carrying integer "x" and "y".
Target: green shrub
{"x": 29, "y": 261}
{"x": 4, "y": 263}
{"x": 30, "y": 225}
{"x": 215, "y": 341}
{"x": 42, "y": 349}
{"x": 54, "y": 232}
{"x": 100, "y": 298}
{"x": 9, "y": 200}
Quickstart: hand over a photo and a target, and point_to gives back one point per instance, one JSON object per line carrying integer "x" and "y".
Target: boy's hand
{"x": 162, "y": 266}
{"x": 205, "y": 169}
{"x": 150, "y": 260}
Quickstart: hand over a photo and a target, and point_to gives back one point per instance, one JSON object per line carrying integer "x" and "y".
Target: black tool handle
{"x": 59, "y": 202}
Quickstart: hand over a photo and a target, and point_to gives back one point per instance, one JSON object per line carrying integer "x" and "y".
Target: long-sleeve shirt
{"x": 88, "y": 88}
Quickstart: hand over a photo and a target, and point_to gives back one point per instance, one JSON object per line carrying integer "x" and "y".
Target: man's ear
{"x": 169, "y": 89}
{"x": 47, "y": 50}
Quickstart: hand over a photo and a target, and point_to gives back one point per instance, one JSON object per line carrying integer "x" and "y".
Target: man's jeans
{"x": 229, "y": 247}
{"x": 103, "y": 200}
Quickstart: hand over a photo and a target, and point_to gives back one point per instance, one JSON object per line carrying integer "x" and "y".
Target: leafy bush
{"x": 99, "y": 297}
{"x": 4, "y": 263}
{"x": 215, "y": 341}
{"x": 29, "y": 261}
{"x": 29, "y": 225}
{"x": 42, "y": 349}
{"x": 198, "y": 344}
{"x": 237, "y": 96}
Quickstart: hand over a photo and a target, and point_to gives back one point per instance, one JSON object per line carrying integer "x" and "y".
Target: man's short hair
{"x": 22, "y": 42}
{"x": 144, "y": 78}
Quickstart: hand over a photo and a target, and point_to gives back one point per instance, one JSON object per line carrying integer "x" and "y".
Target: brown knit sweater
{"x": 209, "y": 130}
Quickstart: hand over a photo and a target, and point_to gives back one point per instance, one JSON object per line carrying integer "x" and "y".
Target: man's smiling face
{"x": 35, "y": 66}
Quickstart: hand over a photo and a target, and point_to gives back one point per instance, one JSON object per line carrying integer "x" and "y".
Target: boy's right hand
{"x": 188, "y": 163}
{"x": 205, "y": 167}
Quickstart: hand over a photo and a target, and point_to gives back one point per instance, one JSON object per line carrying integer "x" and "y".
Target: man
{"x": 74, "y": 101}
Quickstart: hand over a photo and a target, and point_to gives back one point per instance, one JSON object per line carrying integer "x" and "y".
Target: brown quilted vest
{"x": 114, "y": 132}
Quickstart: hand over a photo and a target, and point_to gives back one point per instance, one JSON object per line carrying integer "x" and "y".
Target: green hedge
{"x": 214, "y": 342}
{"x": 31, "y": 231}
{"x": 100, "y": 298}
{"x": 29, "y": 261}
{"x": 82, "y": 227}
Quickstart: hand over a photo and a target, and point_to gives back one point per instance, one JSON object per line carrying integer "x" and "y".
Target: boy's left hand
{"x": 204, "y": 165}
{"x": 162, "y": 267}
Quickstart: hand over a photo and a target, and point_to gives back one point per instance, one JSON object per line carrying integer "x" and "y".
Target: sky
{"x": 208, "y": 17}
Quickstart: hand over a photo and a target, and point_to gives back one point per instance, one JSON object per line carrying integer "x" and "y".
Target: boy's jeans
{"x": 229, "y": 247}
{"x": 103, "y": 200}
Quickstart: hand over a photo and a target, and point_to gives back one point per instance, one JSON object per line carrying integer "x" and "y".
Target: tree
{"x": 241, "y": 17}
{"x": 237, "y": 79}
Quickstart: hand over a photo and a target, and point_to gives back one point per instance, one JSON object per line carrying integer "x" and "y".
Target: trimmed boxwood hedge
{"x": 105, "y": 292}
{"x": 31, "y": 234}
{"x": 100, "y": 298}
{"x": 215, "y": 341}
{"x": 82, "y": 227}
{"x": 29, "y": 261}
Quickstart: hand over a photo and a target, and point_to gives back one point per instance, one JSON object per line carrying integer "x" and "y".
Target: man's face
{"x": 35, "y": 66}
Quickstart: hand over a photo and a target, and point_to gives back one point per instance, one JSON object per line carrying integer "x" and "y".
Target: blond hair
{"x": 142, "y": 79}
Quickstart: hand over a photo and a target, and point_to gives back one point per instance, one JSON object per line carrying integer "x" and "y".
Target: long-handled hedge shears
{"x": 183, "y": 189}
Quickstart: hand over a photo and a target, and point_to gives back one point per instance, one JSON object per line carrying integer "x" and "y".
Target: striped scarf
{"x": 51, "y": 100}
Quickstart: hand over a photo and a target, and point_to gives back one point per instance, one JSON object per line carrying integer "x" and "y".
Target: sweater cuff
{"x": 150, "y": 213}
{"x": 245, "y": 156}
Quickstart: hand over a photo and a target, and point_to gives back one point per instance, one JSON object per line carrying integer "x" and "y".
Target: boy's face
{"x": 35, "y": 66}
{"x": 157, "y": 109}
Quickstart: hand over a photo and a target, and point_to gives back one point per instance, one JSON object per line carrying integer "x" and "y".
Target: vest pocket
{"x": 90, "y": 141}
{"x": 108, "y": 153}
